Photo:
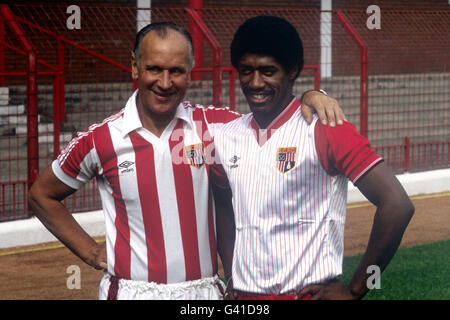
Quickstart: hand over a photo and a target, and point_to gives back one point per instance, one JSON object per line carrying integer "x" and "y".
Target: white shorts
{"x": 211, "y": 288}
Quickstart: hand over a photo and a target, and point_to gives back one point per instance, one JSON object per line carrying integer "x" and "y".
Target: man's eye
{"x": 245, "y": 71}
{"x": 176, "y": 71}
{"x": 268, "y": 72}
{"x": 154, "y": 69}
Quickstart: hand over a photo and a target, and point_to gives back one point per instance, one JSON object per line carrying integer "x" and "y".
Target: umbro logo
{"x": 234, "y": 159}
{"x": 126, "y": 166}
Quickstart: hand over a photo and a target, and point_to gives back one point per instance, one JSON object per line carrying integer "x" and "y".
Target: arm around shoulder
{"x": 327, "y": 108}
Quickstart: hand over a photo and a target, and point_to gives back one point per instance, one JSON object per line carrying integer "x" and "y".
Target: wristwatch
{"x": 320, "y": 90}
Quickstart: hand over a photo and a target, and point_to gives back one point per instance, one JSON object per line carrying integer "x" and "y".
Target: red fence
{"x": 83, "y": 75}
{"x": 408, "y": 110}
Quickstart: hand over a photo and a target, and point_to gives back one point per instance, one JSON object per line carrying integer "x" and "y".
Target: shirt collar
{"x": 131, "y": 120}
{"x": 262, "y": 135}
{"x": 284, "y": 116}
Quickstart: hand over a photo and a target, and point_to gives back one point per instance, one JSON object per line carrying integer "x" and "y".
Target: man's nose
{"x": 256, "y": 81}
{"x": 164, "y": 81}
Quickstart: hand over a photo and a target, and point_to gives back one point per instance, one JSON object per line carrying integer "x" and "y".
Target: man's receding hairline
{"x": 163, "y": 33}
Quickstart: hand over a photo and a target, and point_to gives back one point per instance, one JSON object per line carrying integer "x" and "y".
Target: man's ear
{"x": 134, "y": 67}
{"x": 189, "y": 76}
{"x": 293, "y": 74}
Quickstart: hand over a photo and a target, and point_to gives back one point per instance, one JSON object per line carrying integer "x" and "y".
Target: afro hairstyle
{"x": 268, "y": 36}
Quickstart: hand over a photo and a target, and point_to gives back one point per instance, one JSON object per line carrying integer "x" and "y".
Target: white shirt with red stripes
{"x": 289, "y": 186}
{"x": 155, "y": 192}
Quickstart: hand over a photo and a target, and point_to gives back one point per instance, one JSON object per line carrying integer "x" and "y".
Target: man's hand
{"x": 99, "y": 257}
{"x": 229, "y": 292}
{"x": 334, "y": 290}
{"x": 327, "y": 108}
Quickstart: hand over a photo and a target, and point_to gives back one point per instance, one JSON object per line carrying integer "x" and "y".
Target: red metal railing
{"x": 364, "y": 73}
{"x": 216, "y": 56}
{"x": 32, "y": 109}
{"x": 13, "y": 199}
{"x": 58, "y": 88}
{"x": 197, "y": 39}
{"x": 413, "y": 157}
{"x": 87, "y": 197}
{"x": 409, "y": 71}
{"x": 316, "y": 68}
{"x": 80, "y": 73}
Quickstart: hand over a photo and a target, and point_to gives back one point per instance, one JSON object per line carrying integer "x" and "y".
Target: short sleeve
{"x": 217, "y": 117}
{"x": 77, "y": 163}
{"x": 342, "y": 149}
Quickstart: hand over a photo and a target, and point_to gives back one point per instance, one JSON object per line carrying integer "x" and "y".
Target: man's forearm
{"x": 225, "y": 244}
{"x": 394, "y": 211}
{"x": 387, "y": 232}
{"x": 225, "y": 237}
{"x": 45, "y": 198}
{"x": 55, "y": 217}
{"x": 225, "y": 227}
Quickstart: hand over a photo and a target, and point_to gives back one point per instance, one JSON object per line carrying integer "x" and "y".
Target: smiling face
{"x": 162, "y": 73}
{"x": 266, "y": 85}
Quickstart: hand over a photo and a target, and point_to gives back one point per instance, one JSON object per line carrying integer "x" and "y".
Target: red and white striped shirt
{"x": 155, "y": 192}
{"x": 289, "y": 186}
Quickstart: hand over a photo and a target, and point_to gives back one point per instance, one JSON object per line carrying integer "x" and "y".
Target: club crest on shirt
{"x": 286, "y": 159}
{"x": 195, "y": 154}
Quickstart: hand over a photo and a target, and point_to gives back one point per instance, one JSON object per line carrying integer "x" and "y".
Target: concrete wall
{"x": 31, "y": 231}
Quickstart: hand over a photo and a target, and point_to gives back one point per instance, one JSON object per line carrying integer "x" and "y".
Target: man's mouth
{"x": 163, "y": 96}
{"x": 258, "y": 97}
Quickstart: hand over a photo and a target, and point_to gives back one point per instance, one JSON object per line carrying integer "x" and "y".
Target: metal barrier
{"x": 11, "y": 197}
{"x": 86, "y": 78}
{"x": 393, "y": 84}
{"x": 408, "y": 114}
{"x": 385, "y": 80}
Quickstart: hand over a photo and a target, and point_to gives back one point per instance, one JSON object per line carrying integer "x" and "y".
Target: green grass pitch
{"x": 420, "y": 272}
